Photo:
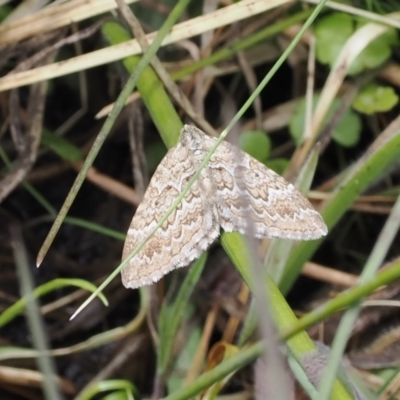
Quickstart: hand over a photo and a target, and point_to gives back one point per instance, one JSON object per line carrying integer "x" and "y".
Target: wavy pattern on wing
{"x": 234, "y": 192}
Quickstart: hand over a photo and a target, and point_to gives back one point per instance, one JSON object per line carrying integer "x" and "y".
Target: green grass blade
{"x": 34, "y": 319}
{"x": 348, "y": 321}
{"x": 18, "y": 307}
{"x": 279, "y": 250}
{"x": 344, "y": 300}
{"x": 300, "y": 344}
{"x": 101, "y": 339}
{"x": 151, "y": 89}
{"x": 112, "y": 385}
{"x": 242, "y": 44}
{"x": 243, "y": 358}
{"x": 171, "y": 315}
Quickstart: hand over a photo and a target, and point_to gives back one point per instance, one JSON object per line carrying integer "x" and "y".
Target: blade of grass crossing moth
{"x": 240, "y": 113}
{"x": 133, "y": 276}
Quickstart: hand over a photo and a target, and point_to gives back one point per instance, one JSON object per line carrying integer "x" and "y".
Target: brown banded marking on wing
{"x": 252, "y": 199}
{"x": 189, "y": 230}
{"x": 234, "y": 192}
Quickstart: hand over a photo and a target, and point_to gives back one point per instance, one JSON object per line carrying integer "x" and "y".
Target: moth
{"x": 234, "y": 192}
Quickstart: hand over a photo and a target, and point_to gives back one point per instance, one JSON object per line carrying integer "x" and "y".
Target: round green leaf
{"x": 333, "y": 31}
{"x": 278, "y": 165}
{"x": 375, "y": 54}
{"x": 374, "y": 98}
{"x": 347, "y": 132}
{"x": 61, "y": 146}
{"x": 155, "y": 152}
{"x": 255, "y": 143}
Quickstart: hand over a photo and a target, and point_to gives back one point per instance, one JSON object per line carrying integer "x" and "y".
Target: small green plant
{"x": 347, "y": 133}
{"x": 375, "y": 98}
{"x": 333, "y": 31}
{"x": 256, "y": 143}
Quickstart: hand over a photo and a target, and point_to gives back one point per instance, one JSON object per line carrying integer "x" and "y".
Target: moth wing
{"x": 187, "y": 232}
{"x": 252, "y": 199}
